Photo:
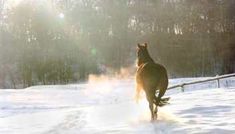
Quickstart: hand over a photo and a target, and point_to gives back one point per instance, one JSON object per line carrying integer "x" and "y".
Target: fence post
{"x": 218, "y": 83}
{"x": 182, "y": 87}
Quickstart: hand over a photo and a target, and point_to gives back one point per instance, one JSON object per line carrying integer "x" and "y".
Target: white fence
{"x": 216, "y": 78}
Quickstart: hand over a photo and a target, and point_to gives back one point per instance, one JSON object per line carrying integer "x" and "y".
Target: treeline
{"x": 63, "y": 41}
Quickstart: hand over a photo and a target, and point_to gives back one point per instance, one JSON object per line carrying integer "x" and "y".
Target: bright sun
{"x": 13, "y": 2}
{"x": 61, "y": 15}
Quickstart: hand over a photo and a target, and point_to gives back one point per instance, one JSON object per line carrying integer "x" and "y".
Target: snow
{"x": 108, "y": 107}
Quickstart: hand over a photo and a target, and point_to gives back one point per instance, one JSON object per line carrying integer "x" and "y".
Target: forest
{"x": 64, "y": 41}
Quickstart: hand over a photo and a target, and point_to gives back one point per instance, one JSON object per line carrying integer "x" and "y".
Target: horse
{"x": 152, "y": 78}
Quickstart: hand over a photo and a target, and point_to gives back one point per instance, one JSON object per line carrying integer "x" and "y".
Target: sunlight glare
{"x": 61, "y": 15}
{"x": 13, "y": 3}
{"x": 100, "y": 84}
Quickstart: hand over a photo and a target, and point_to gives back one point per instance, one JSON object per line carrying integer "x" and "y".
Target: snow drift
{"x": 108, "y": 106}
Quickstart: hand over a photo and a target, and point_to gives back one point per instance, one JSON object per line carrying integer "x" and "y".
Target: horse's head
{"x": 141, "y": 50}
{"x": 142, "y": 54}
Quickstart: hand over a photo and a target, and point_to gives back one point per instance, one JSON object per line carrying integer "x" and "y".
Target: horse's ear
{"x": 138, "y": 45}
{"x": 145, "y": 45}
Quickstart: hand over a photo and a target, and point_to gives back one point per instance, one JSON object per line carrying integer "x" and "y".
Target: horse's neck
{"x": 145, "y": 60}
{"x": 147, "y": 57}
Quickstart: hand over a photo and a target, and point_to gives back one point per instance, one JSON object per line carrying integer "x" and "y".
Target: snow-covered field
{"x": 108, "y": 107}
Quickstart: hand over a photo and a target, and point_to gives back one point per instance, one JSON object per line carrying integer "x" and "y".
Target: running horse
{"x": 152, "y": 78}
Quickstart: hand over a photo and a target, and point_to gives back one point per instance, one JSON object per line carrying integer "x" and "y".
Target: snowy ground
{"x": 108, "y": 107}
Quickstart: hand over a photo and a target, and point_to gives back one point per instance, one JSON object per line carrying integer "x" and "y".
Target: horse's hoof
{"x": 152, "y": 120}
{"x": 155, "y": 117}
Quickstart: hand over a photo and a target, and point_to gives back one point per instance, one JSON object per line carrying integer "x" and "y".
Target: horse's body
{"x": 150, "y": 77}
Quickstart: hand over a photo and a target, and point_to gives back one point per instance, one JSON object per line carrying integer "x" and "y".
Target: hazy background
{"x": 64, "y": 41}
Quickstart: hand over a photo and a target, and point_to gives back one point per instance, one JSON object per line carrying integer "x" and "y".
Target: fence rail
{"x": 216, "y": 78}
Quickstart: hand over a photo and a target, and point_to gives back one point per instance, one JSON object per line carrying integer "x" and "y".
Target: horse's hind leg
{"x": 150, "y": 99}
{"x": 156, "y": 105}
{"x": 151, "y": 109}
{"x": 155, "y": 112}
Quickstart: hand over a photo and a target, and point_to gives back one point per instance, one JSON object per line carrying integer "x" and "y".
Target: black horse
{"x": 151, "y": 77}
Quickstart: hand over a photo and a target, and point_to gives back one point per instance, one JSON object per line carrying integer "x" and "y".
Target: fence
{"x": 216, "y": 78}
